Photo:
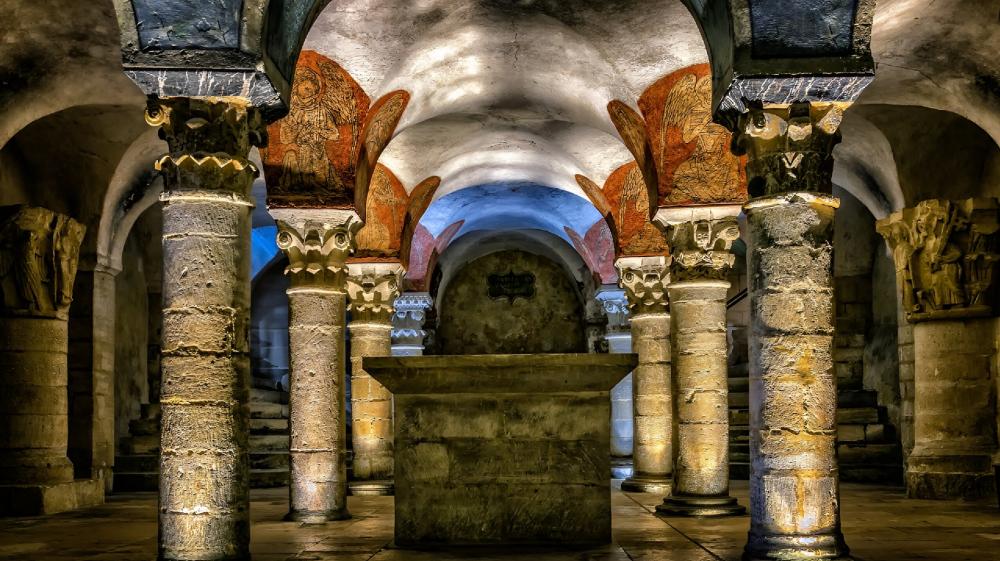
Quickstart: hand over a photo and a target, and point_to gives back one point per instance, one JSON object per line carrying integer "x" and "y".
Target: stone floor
{"x": 880, "y": 525}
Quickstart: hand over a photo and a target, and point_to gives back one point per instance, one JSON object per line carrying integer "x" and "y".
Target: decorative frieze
{"x": 789, "y": 148}
{"x": 373, "y": 288}
{"x": 945, "y": 254}
{"x": 615, "y": 306}
{"x": 645, "y": 281}
{"x": 317, "y": 243}
{"x": 39, "y": 250}
{"x": 701, "y": 240}
{"x": 408, "y": 322}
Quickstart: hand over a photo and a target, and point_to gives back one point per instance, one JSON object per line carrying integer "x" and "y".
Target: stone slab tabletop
{"x": 534, "y": 373}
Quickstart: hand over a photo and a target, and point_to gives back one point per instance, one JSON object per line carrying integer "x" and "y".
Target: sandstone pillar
{"x": 619, "y": 338}
{"x": 644, "y": 280}
{"x": 794, "y": 484}
{"x": 700, "y": 241}
{"x": 373, "y": 289}
{"x": 946, "y": 254}
{"x": 317, "y": 243}
{"x": 408, "y": 332}
{"x": 39, "y": 250}
{"x": 204, "y": 463}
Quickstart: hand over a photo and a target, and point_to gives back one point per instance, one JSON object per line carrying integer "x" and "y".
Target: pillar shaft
{"x": 794, "y": 483}
{"x": 317, "y": 243}
{"x": 204, "y": 463}
{"x": 644, "y": 280}
{"x": 945, "y": 254}
{"x": 36, "y": 293}
{"x": 700, "y": 239}
{"x": 373, "y": 288}
{"x": 618, "y": 336}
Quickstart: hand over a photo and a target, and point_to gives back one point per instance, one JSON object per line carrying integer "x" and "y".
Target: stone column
{"x": 39, "y": 250}
{"x": 700, "y": 241}
{"x": 317, "y": 243}
{"x": 946, "y": 255}
{"x": 619, "y": 338}
{"x": 204, "y": 463}
{"x": 794, "y": 484}
{"x": 408, "y": 323}
{"x": 104, "y": 330}
{"x": 645, "y": 280}
{"x": 373, "y": 289}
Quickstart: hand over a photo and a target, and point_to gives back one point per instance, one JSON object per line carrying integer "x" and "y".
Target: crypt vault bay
{"x": 362, "y": 279}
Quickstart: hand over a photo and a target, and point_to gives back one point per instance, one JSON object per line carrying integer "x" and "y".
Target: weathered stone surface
{"x": 317, "y": 243}
{"x": 701, "y": 405}
{"x": 509, "y": 449}
{"x": 955, "y": 432}
{"x": 794, "y": 511}
{"x": 204, "y": 464}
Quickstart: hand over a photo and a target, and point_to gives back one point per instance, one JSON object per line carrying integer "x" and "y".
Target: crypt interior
{"x": 678, "y": 280}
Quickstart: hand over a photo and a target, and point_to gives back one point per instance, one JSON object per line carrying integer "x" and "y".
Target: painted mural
{"x": 632, "y": 129}
{"x": 311, "y": 153}
{"x": 420, "y": 201}
{"x": 624, "y": 202}
{"x": 424, "y": 251}
{"x": 379, "y": 126}
{"x": 694, "y": 163}
{"x": 385, "y": 211}
{"x": 598, "y": 251}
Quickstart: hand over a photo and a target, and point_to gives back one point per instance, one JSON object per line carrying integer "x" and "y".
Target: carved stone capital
{"x": 945, "y": 254}
{"x": 209, "y": 141}
{"x": 373, "y": 289}
{"x": 789, "y": 147}
{"x": 701, "y": 240}
{"x": 39, "y": 254}
{"x": 645, "y": 281}
{"x": 614, "y": 303}
{"x": 317, "y": 243}
{"x": 408, "y": 321}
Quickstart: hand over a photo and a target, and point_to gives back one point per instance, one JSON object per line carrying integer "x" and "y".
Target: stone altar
{"x": 508, "y": 449}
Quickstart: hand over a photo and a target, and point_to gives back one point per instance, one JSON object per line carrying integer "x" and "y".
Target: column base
{"x": 969, "y": 477}
{"x": 318, "y": 517}
{"x": 34, "y": 500}
{"x": 647, "y": 484}
{"x": 375, "y": 487}
{"x": 822, "y": 547}
{"x": 700, "y": 506}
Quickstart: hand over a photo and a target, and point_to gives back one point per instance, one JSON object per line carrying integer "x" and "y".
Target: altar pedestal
{"x": 509, "y": 449}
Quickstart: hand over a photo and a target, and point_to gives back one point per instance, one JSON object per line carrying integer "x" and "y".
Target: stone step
{"x": 265, "y": 478}
{"x": 857, "y": 415}
{"x": 739, "y": 470}
{"x": 269, "y": 426}
{"x": 869, "y": 454}
{"x": 269, "y": 460}
{"x": 848, "y": 399}
{"x": 269, "y": 443}
{"x": 138, "y": 427}
{"x": 266, "y": 410}
{"x": 890, "y": 474}
{"x": 137, "y": 463}
{"x": 141, "y": 444}
{"x": 739, "y": 400}
{"x": 739, "y": 416}
{"x": 738, "y": 385}
{"x": 260, "y": 395}
{"x": 741, "y": 370}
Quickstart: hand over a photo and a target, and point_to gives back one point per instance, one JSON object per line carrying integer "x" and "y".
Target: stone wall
{"x": 131, "y": 323}
{"x": 269, "y": 326}
{"x": 551, "y": 320}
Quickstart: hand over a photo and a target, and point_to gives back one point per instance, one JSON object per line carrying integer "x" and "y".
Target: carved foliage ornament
{"x": 317, "y": 253}
{"x": 701, "y": 248}
{"x": 945, "y": 254}
{"x": 645, "y": 281}
{"x": 39, "y": 251}
{"x": 373, "y": 289}
{"x": 789, "y": 147}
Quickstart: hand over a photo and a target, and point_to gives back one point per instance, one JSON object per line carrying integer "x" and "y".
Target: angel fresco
{"x": 709, "y": 173}
{"x": 322, "y": 102}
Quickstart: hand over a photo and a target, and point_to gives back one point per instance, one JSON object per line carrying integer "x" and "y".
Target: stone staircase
{"x": 137, "y": 468}
{"x": 867, "y": 448}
